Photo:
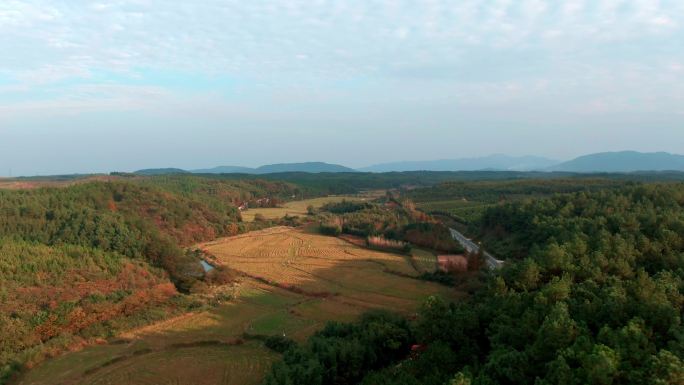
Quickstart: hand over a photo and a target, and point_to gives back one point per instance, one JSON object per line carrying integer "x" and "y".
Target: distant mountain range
{"x": 225, "y": 170}
{"x": 161, "y": 171}
{"x": 624, "y": 161}
{"x": 491, "y": 162}
{"x": 312, "y": 167}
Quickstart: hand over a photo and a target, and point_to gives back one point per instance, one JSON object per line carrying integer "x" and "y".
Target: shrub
{"x": 279, "y": 344}
{"x": 331, "y": 226}
{"x": 384, "y": 243}
{"x": 220, "y": 275}
{"x": 453, "y": 263}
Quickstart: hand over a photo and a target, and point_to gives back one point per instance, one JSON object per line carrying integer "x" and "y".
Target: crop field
{"x": 323, "y": 266}
{"x": 297, "y": 208}
{"x": 294, "y": 283}
{"x": 466, "y": 210}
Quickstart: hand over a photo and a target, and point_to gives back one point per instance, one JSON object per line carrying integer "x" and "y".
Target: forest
{"x": 89, "y": 259}
{"x": 592, "y": 292}
{"x": 465, "y": 202}
{"x": 316, "y": 184}
{"x": 386, "y": 221}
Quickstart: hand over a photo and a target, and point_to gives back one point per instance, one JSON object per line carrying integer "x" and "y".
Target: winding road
{"x": 473, "y": 247}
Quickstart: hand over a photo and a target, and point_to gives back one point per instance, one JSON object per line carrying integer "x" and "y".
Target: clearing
{"x": 298, "y": 208}
{"x": 294, "y": 283}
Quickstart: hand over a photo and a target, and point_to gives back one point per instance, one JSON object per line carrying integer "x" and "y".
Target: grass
{"x": 296, "y": 208}
{"x": 200, "y": 348}
{"x": 466, "y": 210}
{"x": 210, "y": 364}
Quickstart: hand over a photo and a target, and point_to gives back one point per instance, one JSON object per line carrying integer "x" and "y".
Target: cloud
{"x": 54, "y": 49}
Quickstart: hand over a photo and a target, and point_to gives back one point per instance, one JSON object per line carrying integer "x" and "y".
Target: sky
{"x": 122, "y": 85}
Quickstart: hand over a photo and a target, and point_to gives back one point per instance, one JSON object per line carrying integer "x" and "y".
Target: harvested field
{"x": 294, "y": 283}
{"x": 297, "y": 208}
{"x": 321, "y": 265}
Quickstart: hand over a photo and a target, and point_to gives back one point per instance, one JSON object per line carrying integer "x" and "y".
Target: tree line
{"x": 389, "y": 220}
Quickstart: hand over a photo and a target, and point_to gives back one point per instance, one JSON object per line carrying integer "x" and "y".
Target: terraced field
{"x": 294, "y": 282}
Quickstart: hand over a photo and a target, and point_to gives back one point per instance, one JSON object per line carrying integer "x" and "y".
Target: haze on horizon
{"x": 130, "y": 84}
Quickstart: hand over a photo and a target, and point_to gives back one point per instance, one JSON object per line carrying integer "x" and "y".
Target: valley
{"x": 292, "y": 282}
{"x": 164, "y": 280}
{"x": 479, "y": 192}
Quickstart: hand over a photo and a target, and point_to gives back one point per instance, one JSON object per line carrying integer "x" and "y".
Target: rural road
{"x": 472, "y": 247}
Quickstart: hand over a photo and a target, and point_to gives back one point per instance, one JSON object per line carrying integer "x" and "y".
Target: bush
{"x": 279, "y": 344}
{"x": 331, "y": 226}
{"x": 453, "y": 263}
{"x": 441, "y": 277}
{"x": 384, "y": 243}
{"x": 432, "y": 235}
{"x": 221, "y": 275}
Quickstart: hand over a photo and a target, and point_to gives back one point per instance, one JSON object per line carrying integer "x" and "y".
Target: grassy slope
{"x": 55, "y": 297}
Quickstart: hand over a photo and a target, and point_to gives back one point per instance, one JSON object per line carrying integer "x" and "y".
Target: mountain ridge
{"x": 622, "y": 161}
{"x": 491, "y": 162}
{"x": 311, "y": 167}
{"x": 618, "y": 161}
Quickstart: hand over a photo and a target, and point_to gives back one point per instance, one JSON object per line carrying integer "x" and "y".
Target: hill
{"x": 225, "y": 170}
{"x": 313, "y": 167}
{"x": 624, "y": 161}
{"x": 161, "y": 171}
{"x": 491, "y": 162}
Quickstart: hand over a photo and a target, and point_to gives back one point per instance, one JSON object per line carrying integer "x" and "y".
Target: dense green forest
{"x": 466, "y": 201}
{"x": 147, "y": 218}
{"x": 593, "y": 293}
{"x": 133, "y": 220}
{"x": 315, "y": 184}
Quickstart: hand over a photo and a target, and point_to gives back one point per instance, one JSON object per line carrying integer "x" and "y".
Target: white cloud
{"x": 479, "y": 45}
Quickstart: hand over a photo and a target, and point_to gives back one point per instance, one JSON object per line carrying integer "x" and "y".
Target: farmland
{"x": 297, "y": 208}
{"x": 294, "y": 281}
{"x": 326, "y": 266}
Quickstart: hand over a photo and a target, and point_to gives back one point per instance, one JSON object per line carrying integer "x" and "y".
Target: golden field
{"x": 298, "y": 208}
{"x": 293, "y": 283}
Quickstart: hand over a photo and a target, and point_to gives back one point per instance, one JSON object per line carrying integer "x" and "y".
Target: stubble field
{"x": 293, "y": 283}
{"x": 298, "y": 208}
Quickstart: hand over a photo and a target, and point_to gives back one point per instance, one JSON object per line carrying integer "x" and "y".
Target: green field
{"x": 207, "y": 347}
{"x": 465, "y": 211}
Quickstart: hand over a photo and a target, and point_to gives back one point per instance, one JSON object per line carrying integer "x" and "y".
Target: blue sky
{"x": 120, "y": 85}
